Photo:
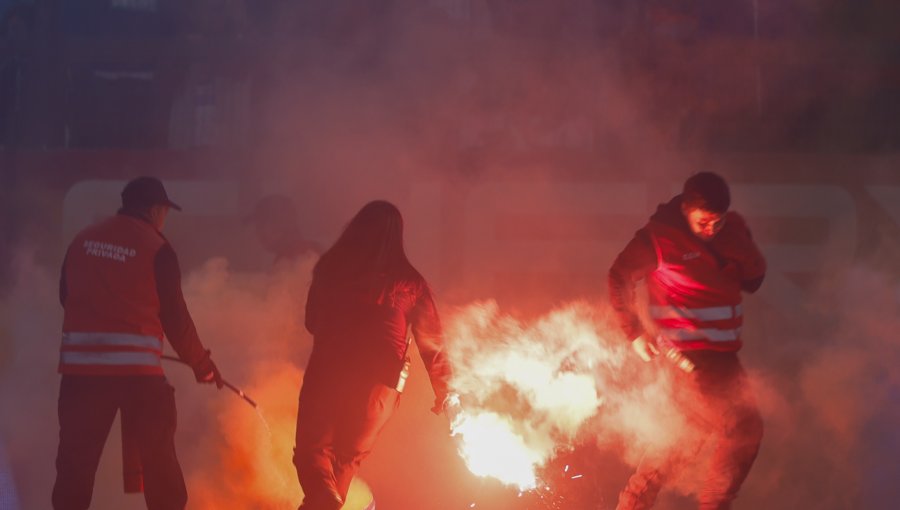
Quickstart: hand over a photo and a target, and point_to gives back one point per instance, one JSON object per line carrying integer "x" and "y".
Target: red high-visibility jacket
{"x": 694, "y": 286}
{"x": 119, "y": 305}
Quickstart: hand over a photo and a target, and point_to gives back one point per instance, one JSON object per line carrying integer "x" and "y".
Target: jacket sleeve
{"x": 634, "y": 263}
{"x": 753, "y": 266}
{"x": 426, "y": 329}
{"x": 743, "y": 249}
{"x": 176, "y": 320}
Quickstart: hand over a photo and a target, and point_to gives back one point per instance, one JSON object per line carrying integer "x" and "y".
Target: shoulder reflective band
{"x": 713, "y": 335}
{"x": 715, "y": 313}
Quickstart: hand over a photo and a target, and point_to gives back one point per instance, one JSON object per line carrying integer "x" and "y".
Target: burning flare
{"x": 492, "y": 448}
{"x": 527, "y": 388}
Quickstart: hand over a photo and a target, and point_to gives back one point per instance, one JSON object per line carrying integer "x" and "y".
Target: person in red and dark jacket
{"x": 364, "y": 299}
{"x": 696, "y": 258}
{"x": 121, "y": 292}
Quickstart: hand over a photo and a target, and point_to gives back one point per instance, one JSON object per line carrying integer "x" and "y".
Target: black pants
{"x": 337, "y": 425}
{"x": 87, "y": 408}
{"x": 718, "y": 398}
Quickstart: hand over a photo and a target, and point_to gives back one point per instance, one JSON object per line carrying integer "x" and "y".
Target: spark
{"x": 525, "y": 386}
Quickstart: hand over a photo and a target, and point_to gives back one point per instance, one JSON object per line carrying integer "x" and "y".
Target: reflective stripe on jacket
{"x": 92, "y": 353}
{"x": 695, "y": 293}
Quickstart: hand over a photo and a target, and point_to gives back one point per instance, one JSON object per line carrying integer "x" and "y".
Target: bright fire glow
{"x": 255, "y": 469}
{"x": 526, "y": 387}
{"x": 492, "y": 448}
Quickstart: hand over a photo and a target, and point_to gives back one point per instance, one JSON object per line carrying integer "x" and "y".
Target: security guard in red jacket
{"x": 121, "y": 291}
{"x": 696, "y": 258}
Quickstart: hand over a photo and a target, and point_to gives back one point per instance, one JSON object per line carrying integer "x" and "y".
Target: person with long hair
{"x": 364, "y": 300}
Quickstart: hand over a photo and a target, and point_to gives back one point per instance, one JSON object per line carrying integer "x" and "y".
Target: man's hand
{"x": 645, "y": 347}
{"x": 453, "y": 409}
{"x": 206, "y": 372}
{"x": 449, "y": 407}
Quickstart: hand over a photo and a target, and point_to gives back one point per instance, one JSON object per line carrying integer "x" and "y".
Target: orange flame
{"x": 528, "y": 387}
{"x": 254, "y": 469}
{"x": 491, "y": 447}
{"x": 249, "y": 463}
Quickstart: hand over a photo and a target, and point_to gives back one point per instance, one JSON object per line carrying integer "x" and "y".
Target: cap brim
{"x": 173, "y": 205}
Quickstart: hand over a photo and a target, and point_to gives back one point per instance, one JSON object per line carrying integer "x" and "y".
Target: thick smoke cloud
{"x": 524, "y": 153}
{"x": 31, "y": 318}
{"x": 567, "y": 375}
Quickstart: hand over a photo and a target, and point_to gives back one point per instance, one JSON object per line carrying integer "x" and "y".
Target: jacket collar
{"x": 139, "y": 216}
{"x": 669, "y": 214}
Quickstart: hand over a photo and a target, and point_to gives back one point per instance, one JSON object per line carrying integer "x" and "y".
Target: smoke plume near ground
{"x": 28, "y": 379}
{"x": 552, "y": 382}
{"x": 435, "y": 106}
{"x": 253, "y": 322}
{"x": 830, "y": 399}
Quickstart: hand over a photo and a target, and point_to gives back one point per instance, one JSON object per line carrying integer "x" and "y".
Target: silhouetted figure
{"x": 364, "y": 298}
{"x": 277, "y": 228}
{"x": 696, "y": 258}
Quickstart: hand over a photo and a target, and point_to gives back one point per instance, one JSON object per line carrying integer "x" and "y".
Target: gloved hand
{"x": 206, "y": 371}
{"x": 449, "y": 407}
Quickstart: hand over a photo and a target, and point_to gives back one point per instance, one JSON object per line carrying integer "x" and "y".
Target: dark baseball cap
{"x": 146, "y": 192}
